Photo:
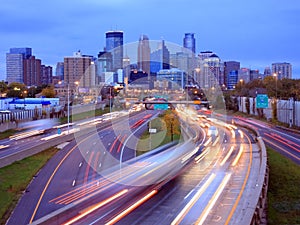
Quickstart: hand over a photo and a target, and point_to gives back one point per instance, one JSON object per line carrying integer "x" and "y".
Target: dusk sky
{"x": 256, "y": 33}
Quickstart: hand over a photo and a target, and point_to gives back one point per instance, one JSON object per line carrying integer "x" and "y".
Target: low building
{"x": 32, "y": 103}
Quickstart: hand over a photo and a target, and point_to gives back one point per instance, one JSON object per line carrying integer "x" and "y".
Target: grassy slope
{"x": 283, "y": 191}
{"x": 15, "y": 178}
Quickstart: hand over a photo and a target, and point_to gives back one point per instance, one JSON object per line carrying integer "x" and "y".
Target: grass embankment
{"x": 85, "y": 115}
{"x": 7, "y": 133}
{"x": 283, "y": 191}
{"x": 163, "y": 133}
{"x": 15, "y": 178}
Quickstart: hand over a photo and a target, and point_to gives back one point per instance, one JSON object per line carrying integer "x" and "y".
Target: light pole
{"x": 68, "y": 104}
{"x": 275, "y": 75}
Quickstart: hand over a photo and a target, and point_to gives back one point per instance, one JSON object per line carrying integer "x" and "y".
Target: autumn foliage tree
{"x": 172, "y": 123}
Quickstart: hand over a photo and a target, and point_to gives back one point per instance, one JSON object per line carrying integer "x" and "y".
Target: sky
{"x": 256, "y": 33}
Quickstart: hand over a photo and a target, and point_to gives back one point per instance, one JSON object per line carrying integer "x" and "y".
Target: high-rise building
{"x": 267, "y": 72}
{"x": 103, "y": 65}
{"x": 144, "y": 54}
{"x": 32, "y": 71}
{"x": 160, "y": 58}
{"x": 232, "y": 79}
{"x": 282, "y": 70}
{"x": 230, "y": 66}
{"x": 59, "y": 72}
{"x": 211, "y": 70}
{"x": 189, "y": 42}
{"x": 25, "y": 68}
{"x": 244, "y": 75}
{"x": 77, "y": 69}
{"x": 15, "y": 65}
{"x": 46, "y": 75}
{"x": 114, "y": 45}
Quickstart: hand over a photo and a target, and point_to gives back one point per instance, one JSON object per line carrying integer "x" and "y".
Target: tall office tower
{"x": 267, "y": 71}
{"x": 114, "y": 45}
{"x": 59, "y": 72}
{"x": 103, "y": 65}
{"x": 46, "y": 74}
{"x": 230, "y": 66}
{"x": 14, "y": 64}
{"x": 282, "y": 70}
{"x": 160, "y": 58}
{"x": 32, "y": 71}
{"x": 244, "y": 75}
{"x": 126, "y": 70}
{"x": 77, "y": 69}
{"x": 144, "y": 54}
{"x": 189, "y": 42}
{"x": 211, "y": 70}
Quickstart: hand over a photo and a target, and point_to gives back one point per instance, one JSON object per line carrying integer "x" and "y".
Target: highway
{"x": 96, "y": 178}
{"x": 282, "y": 140}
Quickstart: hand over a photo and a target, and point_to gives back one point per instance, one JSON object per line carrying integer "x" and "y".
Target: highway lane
{"x": 138, "y": 179}
{"x": 76, "y": 171}
{"x": 178, "y": 200}
{"x": 285, "y": 142}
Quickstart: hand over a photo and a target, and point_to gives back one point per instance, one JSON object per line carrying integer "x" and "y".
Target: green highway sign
{"x": 262, "y": 101}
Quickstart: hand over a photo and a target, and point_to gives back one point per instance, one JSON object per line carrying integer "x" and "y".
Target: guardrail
{"x": 5, "y": 161}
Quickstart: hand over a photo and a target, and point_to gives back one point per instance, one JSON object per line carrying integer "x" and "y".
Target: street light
{"x": 68, "y": 106}
{"x": 275, "y": 75}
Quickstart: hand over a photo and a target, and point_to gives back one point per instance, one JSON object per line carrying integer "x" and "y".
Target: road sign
{"x": 262, "y": 101}
{"x": 160, "y": 106}
{"x": 58, "y": 131}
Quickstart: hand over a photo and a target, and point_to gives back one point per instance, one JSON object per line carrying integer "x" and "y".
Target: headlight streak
{"x": 241, "y": 133}
{"x": 213, "y": 200}
{"x": 92, "y": 208}
{"x": 238, "y": 156}
{"x": 198, "y": 194}
{"x": 227, "y": 156}
{"x": 26, "y": 134}
{"x": 202, "y": 155}
{"x": 132, "y": 207}
{"x": 207, "y": 142}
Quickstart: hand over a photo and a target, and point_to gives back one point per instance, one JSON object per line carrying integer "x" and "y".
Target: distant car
{"x": 212, "y": 131}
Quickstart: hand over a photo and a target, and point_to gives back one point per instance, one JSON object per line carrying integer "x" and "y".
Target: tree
{"x": 3, "y": 87}
{"x": 16, "y": 90}
{"x": 172, "y": 123}
{"x": 48, "y": 92}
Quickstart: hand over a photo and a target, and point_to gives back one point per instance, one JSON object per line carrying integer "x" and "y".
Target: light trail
{"x": 132, "y": 207}
{"x": 227, "y": 156}
{"x": 95, "y": 207}
{"x": 198, "y": 194}
{"x": 213, "y": 200}
{"x": 237, "y": 158}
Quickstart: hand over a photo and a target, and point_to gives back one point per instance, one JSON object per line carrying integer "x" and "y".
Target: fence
{"x": 288, "y": 111}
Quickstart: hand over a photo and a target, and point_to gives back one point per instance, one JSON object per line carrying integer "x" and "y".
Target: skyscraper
{"x": 211, "y": 70}
{"x": 15, "y": 65}
{"x": 77, "y": 69}
{"x": 189, "y": 42}
{"x": 144, "y": 54}
{"x": 32, "y": 71}
{"x": 160, "y": 58}
{"x": 46, "y": 74}
{"x": 114, "y": 44}
{"x": 230, "y": 66}
{"x": 283, "y": 70}
{"x": 59, "y": 73}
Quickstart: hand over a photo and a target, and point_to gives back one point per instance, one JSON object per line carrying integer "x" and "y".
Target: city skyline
{"x": 247, "y": 32}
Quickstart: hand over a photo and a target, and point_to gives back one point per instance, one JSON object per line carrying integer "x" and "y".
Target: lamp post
{"x": 241, "y": 98}
{"x": 275, "y": 75}
{"x": 68, "y": 104}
